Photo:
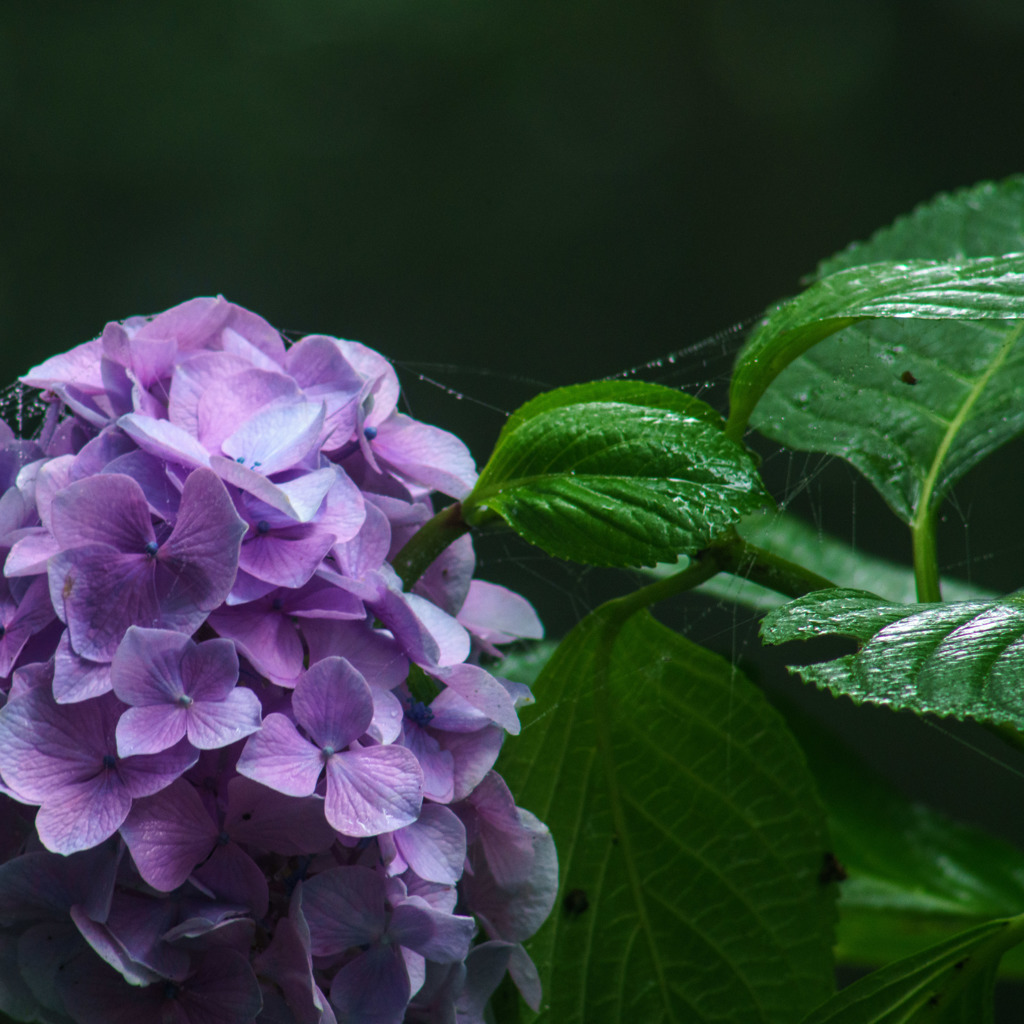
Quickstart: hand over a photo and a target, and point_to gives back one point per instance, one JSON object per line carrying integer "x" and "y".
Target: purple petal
{"x": 434, "y": 845}
{"x": 266, "y": 637}
{"x": 280, "y": 758}
{"x": 452, "y": 640}
{"x": 99, "y": 592}
{"x": 436, "y": 764}
{"x": 426, "y": 455}
{"x": 164, "y": 439}
{"x": 83, "y": 814}
{"x": 75, "y": 678}
{"x": 45, "y": 747}
{"x": 375, "y": 790}
{"x": 333, "y": 703}
{"x": 226, "y": 402}
{"x": 276, "y": 438}
{"x": 108, "y": 509}
{"x": 269, "y": 820}
{"x": 200, "y": 558}
{"x": 30, "y": 552}
{"x": 483, "y": 691}
{"x": 442, "y": 938}
{"x": 374, "y": 988}
{"x": 344, "y": 907}
{"x": 147, "y": 666}
{"x": 299, "y": 498}
{"x": 286, "y": 557}
{"x": 149, "y": 729}
{"x": 498, "y": 615}
{"x": 148, "y": 774}
{"x": 234, "y": 877}
{"x": 209, "y": 670}
{"x": 168, "y": 834}
{"x": 212, "y": 724}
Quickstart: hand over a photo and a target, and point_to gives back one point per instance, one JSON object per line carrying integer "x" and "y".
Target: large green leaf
{"x": 963, "y": 660}
{"x": 991, "y": 287}
{"x": 790, "y": 538}
{"x": 687, "y": 826}
{"x": 915, "y": 877}
{"x": 914, "y": 404}
{"x": 951, "y": 983}
{"x": 616, "y": 473}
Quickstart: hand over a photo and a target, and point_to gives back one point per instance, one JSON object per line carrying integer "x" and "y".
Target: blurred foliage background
{"x": 541, "y": 191}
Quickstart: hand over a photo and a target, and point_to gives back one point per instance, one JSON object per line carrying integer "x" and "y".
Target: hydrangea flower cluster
{"x": 244, "y": 774}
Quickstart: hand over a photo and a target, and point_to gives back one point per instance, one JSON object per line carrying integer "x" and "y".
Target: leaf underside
{"x": 684, "y": 813}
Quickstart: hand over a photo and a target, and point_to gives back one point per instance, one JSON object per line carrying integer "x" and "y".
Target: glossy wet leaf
{"x": 962, "y": 660}
{"x": 950, "y": 983}
{"x": 913, "y": 404}
{"x": 684, "y": 813}
{"x": 616, "y": 473}
{"x": 991, "y": 287}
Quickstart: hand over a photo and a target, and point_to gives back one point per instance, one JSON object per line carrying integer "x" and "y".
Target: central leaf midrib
{"x": 925, "y": 501}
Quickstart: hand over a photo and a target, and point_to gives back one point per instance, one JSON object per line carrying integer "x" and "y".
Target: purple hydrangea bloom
{"x": 207, "y": 710}
{"x": 179, "y": 688}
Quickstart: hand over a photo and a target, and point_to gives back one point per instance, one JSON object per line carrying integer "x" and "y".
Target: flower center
{"x": 419, "y": 713}
{"x": 152, "y": 548}
{"x": 263, "y": 526}
{"x": 109, "y": 761}
{"x": 185, "y": 700}
{"x": 369, "y": 433}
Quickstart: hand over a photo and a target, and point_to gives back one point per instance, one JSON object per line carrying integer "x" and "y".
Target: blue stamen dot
{"x": 327, "y": 752}
{"x": 223, "y": 839}
{"x": 109, "y": 761}
{"x": 171, "y": 991}
{"x": 420, "y": 713}
{"x": 369, "y": 433}
{"x": 240, "y": 459}
{"x": 263, "y": 526}
{"x": 152, "y": 548}
{"x": 255, "y": 464}
{"x": 3, "y": 629}
{"x": 277, "y": 604}
{"x": 185, "y": 700}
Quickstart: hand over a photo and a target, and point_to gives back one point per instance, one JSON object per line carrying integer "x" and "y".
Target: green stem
{"x": 424, "y": 546}
{"x": 926, "y": 556}
{"x": 748, "y": 561}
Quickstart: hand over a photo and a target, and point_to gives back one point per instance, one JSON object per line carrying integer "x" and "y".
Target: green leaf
{"x": 962, "y": 660}
{"x": 687, "y": 824}
{"x": 616, "y": 473}
{"x": 991, "y": 287}
{"x": 788, "y": 537}
{"x": 915, "y": 877}
{"x": 914, "y": 403}
{"x": 951, "y": 983}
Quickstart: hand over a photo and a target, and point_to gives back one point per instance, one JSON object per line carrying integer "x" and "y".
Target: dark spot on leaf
{"x": 907, "y": 377}
{"x": 961, "y": 964}
{"x": 575, "y": 903}
{"x": 934, "y": 1001}
{"x": 831, "y": 869}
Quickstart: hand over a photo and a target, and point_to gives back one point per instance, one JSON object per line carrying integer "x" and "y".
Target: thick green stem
{"x": 926, "y": 558}
{"x": 741, "y": 558}
{"x": 424, "y": 546}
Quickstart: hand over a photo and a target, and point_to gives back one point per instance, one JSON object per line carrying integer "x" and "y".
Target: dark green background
{"x": 543, "y": 191}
